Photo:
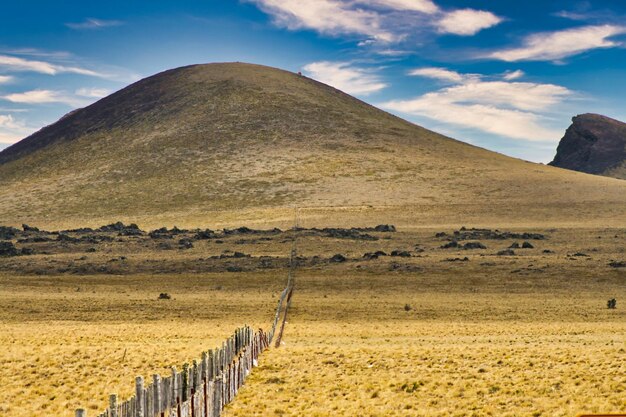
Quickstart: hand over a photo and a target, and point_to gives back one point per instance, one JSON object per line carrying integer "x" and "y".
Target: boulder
{"x": 506, "y": 252}
{"x": 474, "y": 245}
{"x": 8, "y": 249}
{"x": 338, "y": 258}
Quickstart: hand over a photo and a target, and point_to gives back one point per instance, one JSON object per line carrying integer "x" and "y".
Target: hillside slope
{"x": 594, "y": 144}
{"x": 224, "y": 144}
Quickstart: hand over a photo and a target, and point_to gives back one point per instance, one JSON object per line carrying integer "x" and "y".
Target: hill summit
{"x": 233, "y": 143}
{"x": 594, "y": 144}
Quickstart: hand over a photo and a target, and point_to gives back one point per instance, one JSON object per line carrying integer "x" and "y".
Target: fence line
{"x": 206, "y": 387}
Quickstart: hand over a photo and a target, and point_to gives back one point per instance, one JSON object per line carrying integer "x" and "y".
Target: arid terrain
{"x": 231, "y": 144}
{"x": 434, "y": 278}
{"x": 462, "y": 330}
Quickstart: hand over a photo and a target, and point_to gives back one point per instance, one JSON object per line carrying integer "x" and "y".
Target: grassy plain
{"x": 523, "y": 335}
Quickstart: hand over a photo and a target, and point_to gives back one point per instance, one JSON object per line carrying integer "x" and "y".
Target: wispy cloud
{"x": 93, "y": 92}
{"x": 17, "y": 64}
{"x": 12, "y": 130}
{"x": 467, "y": 22}
{"x": 345, "y": 77}
{"x": 441, "y": 74}
{"x": 4, "y": 79}
{"x": 552, "y": 46}
{"x": 91, "y": 24}
{"x": 44, "y": 97}
{"x": 423, "y": 6}
{"x": 512, "y": 109}
{"x": 325, "y": 16}
{"x": 513, "y": 75}
{"x": 382, "y": 21}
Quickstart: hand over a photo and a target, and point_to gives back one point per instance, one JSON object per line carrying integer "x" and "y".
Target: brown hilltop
{"x": 225, "y": 144}
{"x": 594, "y": 144}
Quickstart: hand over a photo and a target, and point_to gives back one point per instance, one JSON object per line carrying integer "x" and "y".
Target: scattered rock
{"x": 185, "y": 243}
{"x": 123, "y": 230}
{"x": 164, "y": 296}
{"x": 617, "y": 264}
{"x": 515, "y": 245}
{"x": 385, "y": 228}
{"x": 248, "y": 231}
{"x": 374, "y": 255}
{"x": 28, "y": 228}
{"x": 65, "y": 238}
{"x": 205, "y": 234}
{"x": 401, "y": 253}
{"x": 7, "y": 233}
{"x": 338, "y": 258}
{"x": 474, "y": 245}
{"x": 481, "y": 234}
{"x": 355, "y": 234}
{"x": 8, "y": 249}
{"x": 506, "y": 252}
{"x": 27, "y": 251}
{"x": 527, "y": 245}
{"x": 450, "y": 245}
{"x": 234, "y": 268}
{"x": 547, "y": 251}
{"x": 611, "y": 304}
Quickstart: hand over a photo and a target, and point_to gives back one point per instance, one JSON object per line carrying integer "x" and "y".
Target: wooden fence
{"x": 205, "y": 387}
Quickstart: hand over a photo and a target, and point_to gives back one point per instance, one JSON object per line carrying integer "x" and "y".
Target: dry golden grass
{"x": 61, "y": 349}
{"x": 232, "y": 144}
{"x": 528, "y": 335}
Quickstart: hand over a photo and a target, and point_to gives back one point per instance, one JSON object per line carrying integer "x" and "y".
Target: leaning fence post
{"x": 81, "y": 413}
{"x": 139, "y": 394}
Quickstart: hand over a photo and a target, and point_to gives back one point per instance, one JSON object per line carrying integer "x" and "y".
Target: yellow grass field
{"x": 524, "y": 335}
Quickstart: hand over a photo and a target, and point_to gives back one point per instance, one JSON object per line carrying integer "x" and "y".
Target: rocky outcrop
{"x": 593, "y": 144}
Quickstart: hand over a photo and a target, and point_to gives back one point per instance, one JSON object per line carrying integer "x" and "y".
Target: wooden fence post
{"x": 156, "y": 383}
{"x": 81, "y": 413}
{"x": 211, "y": 371}
{"x": 174, "y": 385}
{"x": 192, "y": 403}
{"x": 139, "y": 409}
{"x": 185, "y": 377}
{"x": 113, "y": 405}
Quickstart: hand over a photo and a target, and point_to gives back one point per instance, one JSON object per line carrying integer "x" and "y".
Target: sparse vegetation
{"x": 349, "y": 348}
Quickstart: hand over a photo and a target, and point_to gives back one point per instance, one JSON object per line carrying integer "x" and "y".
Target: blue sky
{"x": 507, "y": 76}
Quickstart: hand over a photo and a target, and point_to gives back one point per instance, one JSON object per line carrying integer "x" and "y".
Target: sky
{"x": 503, "y": 75}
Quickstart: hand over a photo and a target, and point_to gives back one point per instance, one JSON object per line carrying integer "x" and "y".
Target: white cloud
{"x": 467, "y": 22}
{"x": 5, "y": 79}
{"x": 331, "y": 17}
{"x": 94, "y": 24}
{"x": 378, "y": 20}
{"x": 43, "y": 97}
{"x": 513, "y": 75}
{"x": 438, "y": 74}
{"x": 92, "y": 92}
{"x": 550, "y": 46}
{"x": 423, "y": 6}
{"x": 12, "y": 63}
{"x": 12, "y": 130}
{"x": 345, "y": 77}
{"x": 509, "y": 109}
